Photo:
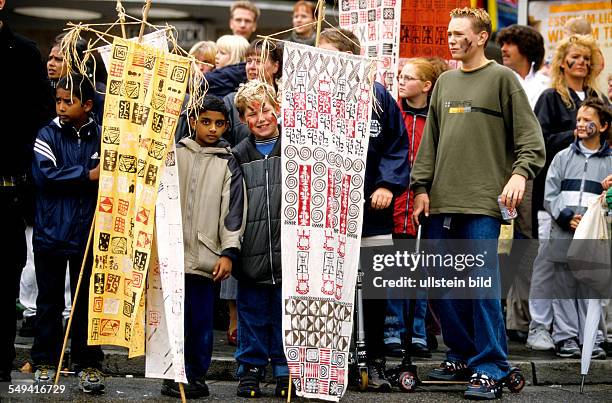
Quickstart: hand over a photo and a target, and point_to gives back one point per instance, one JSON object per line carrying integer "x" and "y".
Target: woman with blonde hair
{"x": 230, "y": 50}
{"x": 205, "y": 52}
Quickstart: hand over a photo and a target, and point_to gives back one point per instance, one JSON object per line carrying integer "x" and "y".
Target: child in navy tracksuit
{"x": 574, "y": 179}
{"x": 65, "y": 171}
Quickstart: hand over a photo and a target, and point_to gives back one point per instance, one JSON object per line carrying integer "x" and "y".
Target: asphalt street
{"x": 137, "y": 389}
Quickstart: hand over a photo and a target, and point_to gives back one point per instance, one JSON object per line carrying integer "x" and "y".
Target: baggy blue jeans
{"x": 473, "y": 330}
{"x": 394, "y": 322}
{"x": 260, "y": 329}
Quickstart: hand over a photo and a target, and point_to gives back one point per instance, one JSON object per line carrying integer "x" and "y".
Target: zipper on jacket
{"x": 269, "y": 220}
{"x": 410, "y": 159}
{"x": 192, "y": 191}
{"x": 586, "y": 163}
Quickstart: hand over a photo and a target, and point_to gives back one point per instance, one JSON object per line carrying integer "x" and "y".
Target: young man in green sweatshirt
{"x": 481, "y": 141}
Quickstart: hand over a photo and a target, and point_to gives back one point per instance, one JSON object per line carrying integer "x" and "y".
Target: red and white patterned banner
{"x": 377, "y": 25}
{"x": 326, "y": 108}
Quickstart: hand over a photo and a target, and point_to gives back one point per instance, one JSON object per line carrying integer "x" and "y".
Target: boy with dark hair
{"x": 259, "y": 275}
{"x": 387, "y": 175}
{"x": 213, "y": 209}
{"x": 65, "y": 171}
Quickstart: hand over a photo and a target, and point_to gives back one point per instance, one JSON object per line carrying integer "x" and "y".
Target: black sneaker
{"x": 248, "y": 384}
{"x": 450, "y": 371}
{"x": 394, "y": 350}
{"x": 377, "y": 380}
{"x": 568, "y": 348}
{"x": 193, "y": 390}
{"x": 91, "y": 380}
{"x": 598, "y": 352}
{"x": 420, "y": 350}
{"x": 44, "y": 374}
{"x": 481, "y": 387}
{"x": 27, "y": 327}
{"x": 282, "y": 387}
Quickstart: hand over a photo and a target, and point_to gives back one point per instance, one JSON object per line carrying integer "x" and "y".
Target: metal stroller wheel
{"x": 363, "y": 379}
{"x": 407, "y": 382}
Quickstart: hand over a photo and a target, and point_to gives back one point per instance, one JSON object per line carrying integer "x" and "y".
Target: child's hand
{"x": 222, "y": 269}
{"x": 94, "y": 174}
{"x": 606, "y": 183}
{"x": 381, "y": 198}
{"x": 575, "y": 221}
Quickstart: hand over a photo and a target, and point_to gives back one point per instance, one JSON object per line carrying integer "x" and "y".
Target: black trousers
{"x": 49, "y": 331}
{"x": 13, "y": 258}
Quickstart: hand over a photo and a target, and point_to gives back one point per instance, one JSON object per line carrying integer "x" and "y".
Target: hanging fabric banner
{"x": 326, "y": 108}
{"x": 376, "y": 23}
{"x": 166, "y": 284}
{"x": 145, "y": 91}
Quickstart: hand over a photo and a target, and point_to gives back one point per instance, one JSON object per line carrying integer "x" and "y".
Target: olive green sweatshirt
{"x": 480, "y": 130}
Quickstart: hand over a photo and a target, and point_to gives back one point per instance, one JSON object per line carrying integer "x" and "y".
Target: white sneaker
{"x": 539, "y": 339}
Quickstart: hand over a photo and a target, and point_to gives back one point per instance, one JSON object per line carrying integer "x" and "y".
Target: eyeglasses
{"x": 403, "y": 77}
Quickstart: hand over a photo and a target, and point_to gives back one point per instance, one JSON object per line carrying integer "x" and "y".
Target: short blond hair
{"x": 254, "y": 91}
{"x": 235, "y": 45}
{"x": 578, "y": 25}
{"x": 479, "y": 17}
{"x": 206, "y": 49}
{"x": 247, "y": 5}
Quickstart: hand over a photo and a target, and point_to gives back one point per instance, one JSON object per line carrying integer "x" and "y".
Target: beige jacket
{"x": 213, "y": 204}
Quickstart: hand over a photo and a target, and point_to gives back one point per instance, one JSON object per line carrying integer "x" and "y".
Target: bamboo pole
{"x": 74, "y": 302}
{"x": 320, "y": 18}
{"x": 145, "y": 15}
{"x": 182, "y": 390}
{"x": 121, "y": 15}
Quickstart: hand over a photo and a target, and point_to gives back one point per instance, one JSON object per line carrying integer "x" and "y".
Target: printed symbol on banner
{"x": 99, "y": 283}
{"x": 115, "y": 87}
{"x": 109, "y": 327}
{"x": 169, "y": 128}
{"x": 147, "y": 196}
{"x": 119, "y": 224}
{"x": 110, "y": 135}
{"x": 106, "y": 183}
{"x": 139, "y": 57}
{"x": 123, "y": 207}
{"x": 162, "y": 70}
{"x": 131, "y": 233}
{"x": 144, "y": 240}
{"x": 128, "y": 332}
{"x": 179, "y": 74}
{"x": 173, "y": 192}
{"x": 127, "y": 286}
{"x": 109, "y": 162}
{"x": 141, "y": 168}
{"x": 136, "y": 280}
{"x": 113, "y": 263}
{"x": 128, "y": 308}
{"x": 145, "y": 143}
{"x": 111, "y": 306}
{"x": 95, "y": 328}
{"x": 159, "y": 101}
{"x": 143, "y": 216}
{"x": 97, "y": 304}
{"x": 127, "y": 163}
{"x": 174, "y": 105}
{"x": 170, "y": 159}
{"x": 101, "y": 262}
{"x": 312, "y": 119}
{"x": 122, "y": 184}
{"x": 112, "y": 283}
{"x": 140, "y": 263}
{"x": 113, "y": 106}
{"x": 105, "y": 222}
{"x": 131, "y": 89}
{"x": 104, "y": 241}
{"x": 124, "y": 110}
{"x": 149, "y": 61}
{"x": 116, "y": 69}
{"x": 157, "y": 123}
{"x": 151, "y": 175}
{"x": 119, "y": 245}
{"x": 140, "y": 114}
{"x": 106, "y": 204}
{"x": 120, "y": 52}
{"x": 154, "y": 318}
{"x": 157, "y": 150}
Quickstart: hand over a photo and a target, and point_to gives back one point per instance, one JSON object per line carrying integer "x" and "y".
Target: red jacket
{"x": 414, "y": 120}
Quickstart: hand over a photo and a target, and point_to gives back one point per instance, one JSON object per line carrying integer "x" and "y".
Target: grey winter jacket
{"x": 260, "y": 257}
{"x": 572, "y": 181}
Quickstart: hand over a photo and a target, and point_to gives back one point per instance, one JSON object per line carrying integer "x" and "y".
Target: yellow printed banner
{"x": 145, "y": 92}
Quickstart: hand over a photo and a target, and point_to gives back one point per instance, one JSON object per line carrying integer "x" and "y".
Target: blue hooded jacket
{"x": 65, "y": 196}
{"x": 387, "y": 161}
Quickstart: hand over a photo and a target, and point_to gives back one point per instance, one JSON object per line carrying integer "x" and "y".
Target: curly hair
{"x": 529, "y": 42}
{"x": 558, "y": 81}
